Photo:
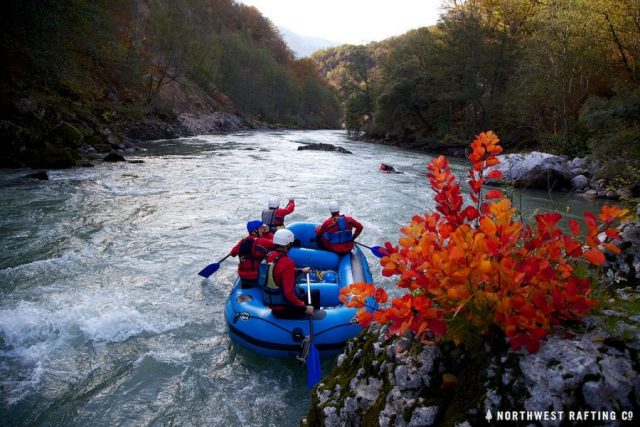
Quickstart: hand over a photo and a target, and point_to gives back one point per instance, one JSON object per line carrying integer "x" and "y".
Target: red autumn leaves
{"x": 467, "y": 261}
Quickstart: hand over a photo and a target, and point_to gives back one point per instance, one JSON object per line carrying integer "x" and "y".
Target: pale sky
{"x": 349, "y": 21}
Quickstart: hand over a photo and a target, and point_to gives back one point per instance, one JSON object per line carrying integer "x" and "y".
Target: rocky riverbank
{"x": 586, "y": 370}
{"x": 44, "y": 136}
{"x": 400, "y": 382}
{"x": 582, "y": 175}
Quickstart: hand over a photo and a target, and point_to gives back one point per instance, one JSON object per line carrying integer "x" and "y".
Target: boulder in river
{"x": 580, "y": 182}
{"x": 42, "y": 176}
{"x": 535, "y": 170}
{"x": 114, "y": 157}
{"x": 323, "y": 147}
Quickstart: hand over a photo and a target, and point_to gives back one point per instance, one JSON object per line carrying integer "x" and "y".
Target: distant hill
{"x": 81, "y": 77}
{"x": 303, "y": 46}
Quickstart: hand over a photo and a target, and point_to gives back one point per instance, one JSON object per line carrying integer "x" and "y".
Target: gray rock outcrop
{"x": 546, "y": 171}
{"x": 218, "y": 121}
{"x": 399, "y": 382}
{"x": 625, "y": 267}
{"x": 536, "y": 170}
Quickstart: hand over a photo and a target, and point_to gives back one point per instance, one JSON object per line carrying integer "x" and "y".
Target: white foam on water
{"x": 168, "y": 356}
{"x": 42, "y": 266}
{"x": 116, "y": 188}
{"x": 19, "y": 390}
{"x": 43, "y": 338}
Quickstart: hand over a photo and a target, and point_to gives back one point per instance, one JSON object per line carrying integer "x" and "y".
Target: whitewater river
{"x": 103, "y": 320}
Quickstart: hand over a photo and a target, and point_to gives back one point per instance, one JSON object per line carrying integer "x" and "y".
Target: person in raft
{"x": 278, "y": 276}
{"x": 336, "y": 233}
{"x": 387, "y": 168}
{"x": 265, "y": 231}
{"x": 252, "y": 250}
{"x": 274, "y": 215}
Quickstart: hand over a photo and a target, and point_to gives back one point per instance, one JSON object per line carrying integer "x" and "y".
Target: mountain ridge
{"x": 303, "y": 46}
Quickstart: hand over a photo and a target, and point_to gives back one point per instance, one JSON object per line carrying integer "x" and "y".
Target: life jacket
{"x": 270, "y": 218}
{"x": 272, "y": 294}
{"x": 250, "y": 255}
{"x": 339, "y": 231}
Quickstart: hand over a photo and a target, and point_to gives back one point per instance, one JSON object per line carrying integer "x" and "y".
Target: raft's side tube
{"x": 352, "y": 270}
{"x": 305, "y": 233}
{"x": 314, "y": 258}
{"x": 357, "y": 270}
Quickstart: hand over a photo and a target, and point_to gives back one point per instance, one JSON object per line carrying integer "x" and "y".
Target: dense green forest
{"x": 85, "y": 73}
{"x": 558, "y": 75}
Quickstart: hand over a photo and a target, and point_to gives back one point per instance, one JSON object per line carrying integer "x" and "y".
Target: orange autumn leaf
{"x": 381, "y": 295}
{"x": 492, "y": 161}
{"x": 613, "y": 248}
{"x": 466, "y": 259}
{"x": 494, "y": 194}
{"x": 595, "y": 256}
{"x": 610, "y": 213}
{"x": 495, "y": 174}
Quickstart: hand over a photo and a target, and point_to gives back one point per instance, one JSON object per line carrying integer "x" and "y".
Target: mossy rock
{"x": 50, "y": 157}
{"x": 14, "y": 136}
{"x": 16, "y": 140}
{"x": 66, "y": 134}
{"x": 99, "y": 143}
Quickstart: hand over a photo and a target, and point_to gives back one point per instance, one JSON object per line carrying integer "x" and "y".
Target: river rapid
{"x": 103, "y": 319}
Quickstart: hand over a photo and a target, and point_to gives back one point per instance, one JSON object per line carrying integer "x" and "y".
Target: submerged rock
{"x": 42, "y": 176}
{"x": 323, "y": 147}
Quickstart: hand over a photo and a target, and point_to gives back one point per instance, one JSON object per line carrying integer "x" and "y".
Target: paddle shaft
{"x": 311, "y": 315}
{"x": 363, "y": 245}
{"x": 376, "y": 250}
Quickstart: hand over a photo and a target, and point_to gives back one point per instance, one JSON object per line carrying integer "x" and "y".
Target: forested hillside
{"x": 562, "y": 76}
{"x": 81, "y": 75}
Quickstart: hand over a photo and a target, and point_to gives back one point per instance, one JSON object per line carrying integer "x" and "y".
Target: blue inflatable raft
{"x": 252, "y": 325}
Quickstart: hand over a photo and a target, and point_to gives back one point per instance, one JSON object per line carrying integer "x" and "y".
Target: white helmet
{"x": 334, "y": 207}
{"x": 273, "y": 203}
{"x": 283, "y": 237}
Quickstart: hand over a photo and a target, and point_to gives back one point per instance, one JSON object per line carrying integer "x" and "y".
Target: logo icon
{"x": 489, "y": 415}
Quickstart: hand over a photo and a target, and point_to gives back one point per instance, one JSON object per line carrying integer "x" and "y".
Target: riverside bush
{"x": 467, "y": 269}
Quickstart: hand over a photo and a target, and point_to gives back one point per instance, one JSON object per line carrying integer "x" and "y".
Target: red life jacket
{"x": 250, "y": 254}
{"x": 340, "y": 231}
